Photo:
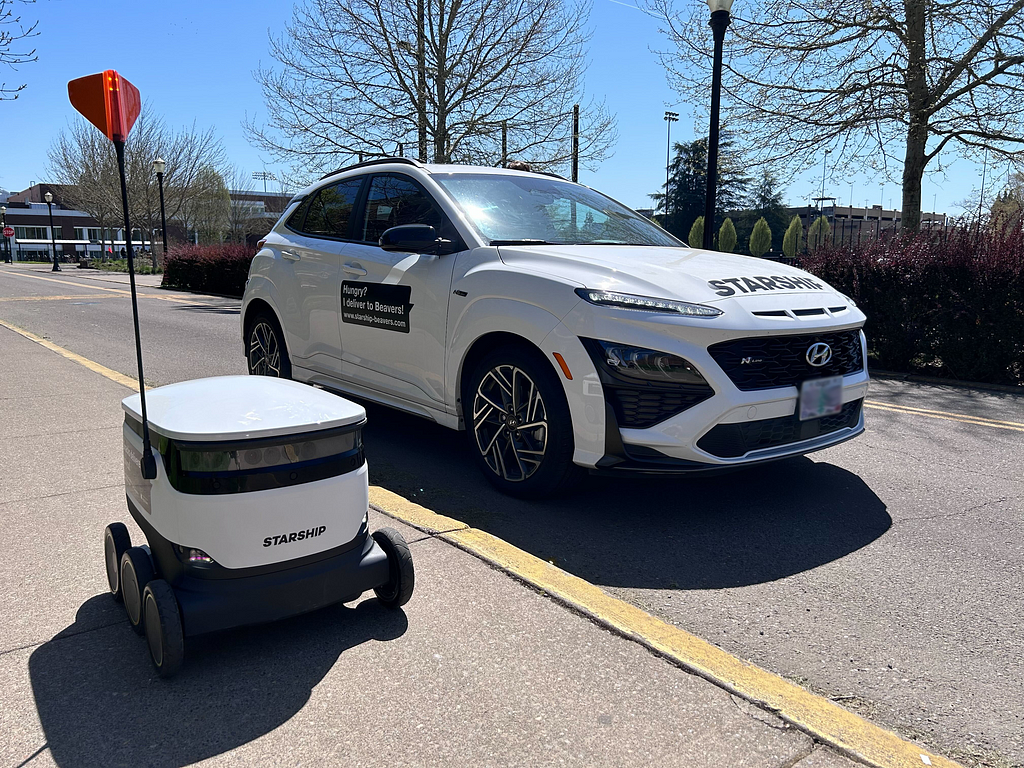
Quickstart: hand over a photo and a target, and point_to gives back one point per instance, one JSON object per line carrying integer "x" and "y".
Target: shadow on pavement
{"x": 209, "y": 310}
{"x": 746, "y": 527}
{"x": 100, "y": 702}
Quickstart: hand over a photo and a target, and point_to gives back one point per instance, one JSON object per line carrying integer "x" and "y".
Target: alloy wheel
{"x": 510, "y": 423}
{"x": 264, "y": 350}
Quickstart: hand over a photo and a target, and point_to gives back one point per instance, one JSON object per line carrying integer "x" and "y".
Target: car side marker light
{"x": 563, "y": 366}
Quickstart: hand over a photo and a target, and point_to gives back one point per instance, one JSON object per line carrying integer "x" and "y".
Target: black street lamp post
{"x": 719, "y": 22}
{"x": 670, "y": 117}
{"x": 53, "y": 236}
{"x": 159, "y": 165}
{"x": 7, "y": 240}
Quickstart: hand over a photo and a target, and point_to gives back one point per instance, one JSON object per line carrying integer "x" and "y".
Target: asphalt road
{"x": 885, "y": 573}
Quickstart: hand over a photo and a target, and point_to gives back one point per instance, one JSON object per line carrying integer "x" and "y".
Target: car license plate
{"x": 821, "y": 397}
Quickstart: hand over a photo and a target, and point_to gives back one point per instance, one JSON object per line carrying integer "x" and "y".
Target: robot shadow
{"x": 101, "y": 703}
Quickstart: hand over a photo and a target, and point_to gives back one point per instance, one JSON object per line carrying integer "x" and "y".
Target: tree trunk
{"x": 918, "y": 99}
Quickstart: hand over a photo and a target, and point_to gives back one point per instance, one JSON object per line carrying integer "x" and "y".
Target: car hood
{"x": 687, "y": 274}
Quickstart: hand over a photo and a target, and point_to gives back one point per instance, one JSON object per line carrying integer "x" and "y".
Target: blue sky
{"x": 194, "y": 60}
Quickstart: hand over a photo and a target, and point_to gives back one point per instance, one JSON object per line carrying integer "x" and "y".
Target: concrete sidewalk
{"x": 477, "y": 670}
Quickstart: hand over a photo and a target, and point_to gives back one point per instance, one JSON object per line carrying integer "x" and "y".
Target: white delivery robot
{"x": 256, "y": 509}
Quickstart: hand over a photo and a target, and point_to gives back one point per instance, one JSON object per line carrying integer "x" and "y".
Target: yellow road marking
{"x": 119, "y": 291}
{"x": 962, "y": 418}
{"x": 102, "y": 370}
{"x": 49, "y": 298}
{"x": 817, "y": 716}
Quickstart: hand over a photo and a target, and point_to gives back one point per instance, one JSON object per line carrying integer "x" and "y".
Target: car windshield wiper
{"x": 524, "y": 241}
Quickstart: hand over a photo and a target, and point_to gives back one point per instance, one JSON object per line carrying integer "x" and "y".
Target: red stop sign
{"x": 8, "y": 231}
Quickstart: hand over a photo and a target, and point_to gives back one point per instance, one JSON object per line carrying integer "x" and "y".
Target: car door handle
{"x": 353, "y": 269}
{"x": 290, "y": 255}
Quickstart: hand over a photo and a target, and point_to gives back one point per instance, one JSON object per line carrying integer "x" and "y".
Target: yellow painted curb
{"x": 102, "y": 370}
{"x": 817, "y": 716}
{"x": 408, "y": 512}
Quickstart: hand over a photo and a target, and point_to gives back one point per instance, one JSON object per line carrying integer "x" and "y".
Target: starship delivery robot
{"x": 254, "y": 509}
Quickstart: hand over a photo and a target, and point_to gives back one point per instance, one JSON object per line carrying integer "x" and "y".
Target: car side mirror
{"x": 413, "y": 238}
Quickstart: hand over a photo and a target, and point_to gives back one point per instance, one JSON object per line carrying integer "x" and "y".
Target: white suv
{"x": 560, "y": 329}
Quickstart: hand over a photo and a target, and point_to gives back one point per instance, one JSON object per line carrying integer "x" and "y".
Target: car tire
{"x": 116, "y": 542}
{"x": 266, "y": 353}
{"x": 164, "y": 634}
{"x": 136, "y": 572}
{"x": 402, "y": 579}
{"x": 518, "y": 423}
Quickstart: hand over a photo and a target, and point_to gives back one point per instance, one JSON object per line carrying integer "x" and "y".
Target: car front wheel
{"x": 518, "y": 421}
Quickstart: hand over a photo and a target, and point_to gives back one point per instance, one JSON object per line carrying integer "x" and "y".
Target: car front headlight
{"x": 645, "y": 303}
{"x": 642, "y": 364}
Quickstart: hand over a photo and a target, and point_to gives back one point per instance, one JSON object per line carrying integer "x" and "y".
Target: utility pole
{"x": 504, "y": 143}
{"x": 575, "y": 142}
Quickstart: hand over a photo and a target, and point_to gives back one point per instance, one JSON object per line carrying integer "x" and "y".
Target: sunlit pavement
{"x": 883, "y": 573}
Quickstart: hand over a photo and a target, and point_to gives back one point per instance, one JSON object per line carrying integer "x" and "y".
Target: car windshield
{"x": 527, "y": 210}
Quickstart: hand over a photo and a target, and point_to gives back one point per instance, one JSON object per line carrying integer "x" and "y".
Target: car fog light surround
{"x": 646, "y": 303}
{"x": 648, "y": 364}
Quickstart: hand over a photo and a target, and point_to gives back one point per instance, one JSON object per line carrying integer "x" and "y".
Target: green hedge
{"x": 208, "y": 268}
{"x": 948, "y": 305}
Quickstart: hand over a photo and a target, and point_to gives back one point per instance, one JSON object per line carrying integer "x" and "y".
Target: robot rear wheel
{"x": 116, "y": 542}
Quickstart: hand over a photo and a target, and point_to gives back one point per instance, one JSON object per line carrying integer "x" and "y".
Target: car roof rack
{"x": 375, "y": 161}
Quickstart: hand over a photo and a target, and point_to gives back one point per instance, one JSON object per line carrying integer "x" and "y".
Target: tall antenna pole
{"x": 148, "y": 460}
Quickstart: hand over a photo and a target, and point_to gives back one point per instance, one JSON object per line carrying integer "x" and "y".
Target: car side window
{"x": 396, "y": 200}
{"x": 330, "y": 211}
{"x": 295, "y": 221}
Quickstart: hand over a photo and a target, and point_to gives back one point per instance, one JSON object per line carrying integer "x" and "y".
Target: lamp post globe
{"x": 48, "y": 197}
{"x": 719, "y": 22}
{"x": 158, "y": 166}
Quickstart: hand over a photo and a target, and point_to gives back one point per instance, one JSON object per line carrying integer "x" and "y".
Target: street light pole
{"x": 670, "y": 117}
{"x": 159, "y": 165}
{"x": 7, "y": 240}
{"x": 719, "y": 22}
{"x": 53, "y": 237}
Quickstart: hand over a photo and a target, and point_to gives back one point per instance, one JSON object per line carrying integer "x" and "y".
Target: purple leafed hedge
{"x": 948, "y": 305}
{"x": 208, "y": 268}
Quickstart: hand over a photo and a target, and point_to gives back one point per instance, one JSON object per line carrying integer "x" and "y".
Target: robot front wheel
{"x": 164, "y": 635}
{"x": 397, "y": 591}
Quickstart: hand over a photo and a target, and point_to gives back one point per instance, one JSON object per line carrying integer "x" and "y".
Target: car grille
{"x": 765, "y": 362}
{"x": 642, "y": 408}
{"x": 729, "y": 441}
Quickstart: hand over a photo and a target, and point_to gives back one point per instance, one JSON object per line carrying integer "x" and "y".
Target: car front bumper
{"x": 731, "y": 428}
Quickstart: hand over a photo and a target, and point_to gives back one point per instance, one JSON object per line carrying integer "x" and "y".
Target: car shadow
{"x": 727, "y": 530}
{"x": 100, "y": 702}
{"x": 209, "y": 309}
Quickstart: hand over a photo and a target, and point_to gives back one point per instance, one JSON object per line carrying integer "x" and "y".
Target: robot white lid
{"x": 241, "y": 407}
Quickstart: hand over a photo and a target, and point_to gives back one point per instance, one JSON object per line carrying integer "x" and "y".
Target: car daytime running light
{"x": 645, "y": 303}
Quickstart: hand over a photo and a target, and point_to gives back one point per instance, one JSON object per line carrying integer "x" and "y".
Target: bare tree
{"x": 245, "y": 217}
{"x": 888, "y": 86}
{"x": 83, "y": 160}
{"x": 13, "y": 31}
{"x": 360, "y": 77}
